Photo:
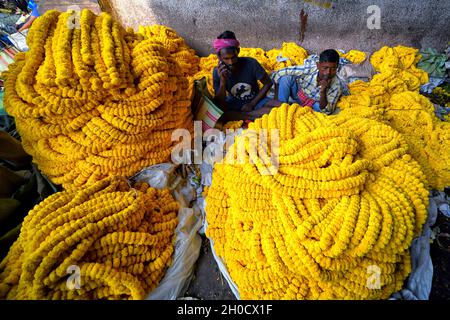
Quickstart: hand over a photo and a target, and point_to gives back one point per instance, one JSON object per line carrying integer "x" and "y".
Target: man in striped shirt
{"x": 314, "y": 84}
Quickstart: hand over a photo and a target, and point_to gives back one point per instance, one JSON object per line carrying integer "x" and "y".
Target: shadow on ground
{"x": 440, "y": 255}
{"x": 208, "y": 282}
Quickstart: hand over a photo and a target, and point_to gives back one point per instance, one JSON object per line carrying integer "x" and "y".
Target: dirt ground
{"x": 208, "y": 282}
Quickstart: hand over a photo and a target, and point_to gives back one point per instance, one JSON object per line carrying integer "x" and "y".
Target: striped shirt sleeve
{"x": 289, "y": 71}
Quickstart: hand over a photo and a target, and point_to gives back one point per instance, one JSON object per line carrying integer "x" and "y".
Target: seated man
{"x": 238, "y": 76}
{"x": 313, "y": 84}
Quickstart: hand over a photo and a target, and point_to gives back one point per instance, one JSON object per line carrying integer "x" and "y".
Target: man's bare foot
{"x": 260, "y": 112}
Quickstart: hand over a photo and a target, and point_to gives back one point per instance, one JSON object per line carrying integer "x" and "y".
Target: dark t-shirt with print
{"x": 244, "y": 85}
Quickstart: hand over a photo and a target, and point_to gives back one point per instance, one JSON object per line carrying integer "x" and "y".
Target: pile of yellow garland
{"x": 120, "y": 240}
{"x": 354, "y": 56}
{"x": 186, "y": 58}
{"x": 392, "y": 96}
{"x": 96, "y": 100}
{"x": 294, "y": 53}
{"x": 338, "y": 215}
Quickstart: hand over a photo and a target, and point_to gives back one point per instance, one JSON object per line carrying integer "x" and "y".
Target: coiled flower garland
{"x": 345, "y": 199}
{"x": 187, "y": 60}
{"x": 98, "y": 100}
{"x": 392, "y": 97}
{"x": 354, "y": 56}
{"x": 428, "y": 137}
{"x": 121, "y": 240}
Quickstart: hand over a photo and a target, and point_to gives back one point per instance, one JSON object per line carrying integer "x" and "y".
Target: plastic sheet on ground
{"x": 432, "y": 83}
{"x": 441, "y": 111}
{"x": 19, "y": 39}
{"x": 442, "y": 201}
{"x": 444, "y": 208}
{"x": 418, "y": 285}
{"x": 188, "y": 241}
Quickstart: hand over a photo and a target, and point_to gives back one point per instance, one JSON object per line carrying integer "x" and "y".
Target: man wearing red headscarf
{"x": 236, "y": 81}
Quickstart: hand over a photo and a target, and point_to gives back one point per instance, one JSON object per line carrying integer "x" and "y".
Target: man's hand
{"x": 223, "y": 71}
{"x": 248, "y": 107}
{"x": 324, "y": 84}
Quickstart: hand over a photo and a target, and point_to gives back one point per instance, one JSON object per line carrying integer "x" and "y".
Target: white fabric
{"x": 188, "y": 241}
{"x": 19, "y": 40}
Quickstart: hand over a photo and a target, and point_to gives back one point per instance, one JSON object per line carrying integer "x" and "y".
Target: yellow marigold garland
{"x": 354, "y": 56}
{"x": 233, "y": 125}
{"x": 428, "y": 137}
{"x": 80, "y": 97}
{"x": 392, "y": 97}
{"x": 120, "y": 238}
{"x": 346, "y": 198}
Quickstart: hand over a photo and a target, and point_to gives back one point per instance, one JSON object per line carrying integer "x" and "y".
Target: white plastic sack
{"x": 187, "y": 251}
{"x": 188, "y": 241}
{"x": 19, "y": 40}
{"x": 206, "y": 171}
{"x": 363, "y": 71}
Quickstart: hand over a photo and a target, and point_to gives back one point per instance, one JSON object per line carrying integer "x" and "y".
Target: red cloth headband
{"x": 220, "y": 44}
